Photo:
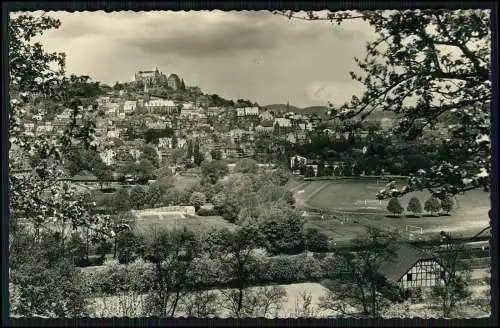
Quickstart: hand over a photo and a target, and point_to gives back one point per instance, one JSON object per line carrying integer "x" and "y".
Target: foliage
{"x": 149, "y": 152}
{"x": 55, "y": 290}
{"x": 235, "y": 250}
{"x": 432, "y": 205}
{"x": 360, "y": 283}
{"x": 138, "y": 197}
{"x": 154, "y": 195}
{"x": 447, "y": 204}
{"x": 394, "y": 206}
{"x": 246, "y": 165}
{"x": 455, "y": 276}
{"x": 127, "y": 246}
{"x": 257, "y": 302}
{"x": 200, "y": 304}
{"x": 283, "y": 230}
{"x": 414, "y": 206}
{"x": 197, "y": 199}
{"x": 214, "y": 170}
{"x": 172, "y": 254}
{"x": 317, "y": 241}
{"x": 121, "y": 200}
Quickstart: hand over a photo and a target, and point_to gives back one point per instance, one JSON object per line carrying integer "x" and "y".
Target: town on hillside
{"x": 155, "y": 198}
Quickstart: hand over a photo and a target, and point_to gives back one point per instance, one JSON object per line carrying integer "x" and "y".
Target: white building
{"x": 247, "y": 111}
{"x": 282, "y": 122}
{"x": 160, "y": 106}
{"x": 129, "y": 106}
{"x": 108, "y": 156}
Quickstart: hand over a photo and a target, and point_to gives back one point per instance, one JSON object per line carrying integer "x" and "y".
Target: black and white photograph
{"x": 250, "y": 164}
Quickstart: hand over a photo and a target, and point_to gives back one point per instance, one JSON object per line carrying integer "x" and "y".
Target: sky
{"x": 251, "y": 55}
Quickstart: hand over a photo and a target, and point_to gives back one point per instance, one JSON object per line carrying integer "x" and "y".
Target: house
{"x": 155, "y": 125}
{"x": 266, "y": 116}
{"x": 411, "y": 267}
{"x": 108, "y": 156}
{"x": 85, "y": 177}
{"x": 113, "y": 134}
{"x": 247, "y": 111}
{"x": 165, "y": 143}
{"x": 188, "y": 106}
{"x": 291, "y": 138}
{"x": 282, "y": 125}
{"x": 129, "y": 106}
{"x": 160, "y": 106}
{"x": 264, "y": 130}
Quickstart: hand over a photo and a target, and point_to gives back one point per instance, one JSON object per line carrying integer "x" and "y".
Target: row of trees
{"x": 432, "y": 205}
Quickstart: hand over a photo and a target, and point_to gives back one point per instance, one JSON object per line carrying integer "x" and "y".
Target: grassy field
{"x": 184, "y": 182}
{"x": 348, "y": 198}
{"x": 199, "y": 224}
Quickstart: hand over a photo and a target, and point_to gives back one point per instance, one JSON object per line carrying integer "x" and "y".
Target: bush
{"x": 290, "y": 269}
{"x": 395, "y": 207}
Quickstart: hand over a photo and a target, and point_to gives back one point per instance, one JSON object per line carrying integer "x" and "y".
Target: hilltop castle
{"x": 155, "y": 77}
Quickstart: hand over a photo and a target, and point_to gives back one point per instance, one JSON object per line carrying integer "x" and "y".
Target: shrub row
{"x": 139, "y": 276}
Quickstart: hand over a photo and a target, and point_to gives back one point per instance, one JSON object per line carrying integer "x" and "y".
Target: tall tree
{"x": 236, "y": 250}
{"x": 172, "y": 254}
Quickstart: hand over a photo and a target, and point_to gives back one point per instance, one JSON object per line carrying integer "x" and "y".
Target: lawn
{"x": 349, "y": 196}
{"x": 185, "y": 182}
{"x": 199, "y": 224}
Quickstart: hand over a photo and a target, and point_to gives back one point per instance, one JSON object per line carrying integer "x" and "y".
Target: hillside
{"x": 282, "y": 108}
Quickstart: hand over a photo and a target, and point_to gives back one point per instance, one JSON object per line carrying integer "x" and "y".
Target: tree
{"x": 447, "y": 204}
{"x": 127, "y": 246}
{"x": 214, "y": 170}
{"x": 122, "y": 200}
{"x": 441, "y": 59}
{"x": 455, "y": 275}
{"x": 257, "y": 302}
{"x": 216, "y": 154}
{"x": 360, "y": 283}
{"x": 172, "y": 254}
{"x": 432, "y": 205}
{"x": 414, "y": 206}
{"x": 52, "y": 291}
{"x": 154, "y": 195}
{"x": 197, "y": 154}
{"x": 235, "y": 249}
{"x": 309, "y": 172}
{"x": 197, "y": 199}
{"x": 246, "y": 165}
{"x": 39, "y": 198}
{"x": 394, "y": 206}
{"x": 138, "y": 197}
{"x": 149, "y": 152}
{"x": 317, "y": 241}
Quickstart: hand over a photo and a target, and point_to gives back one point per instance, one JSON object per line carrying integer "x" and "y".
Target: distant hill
{"x": 283, "y": 108}
{"x": 322, "y": 111}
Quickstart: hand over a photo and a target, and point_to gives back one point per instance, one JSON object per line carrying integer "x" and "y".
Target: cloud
{"x": 252, "y": 55}
{"x": 336, "y": 93}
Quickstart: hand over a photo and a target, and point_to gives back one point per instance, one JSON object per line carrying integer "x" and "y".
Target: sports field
{"x": 356, "y": 199}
